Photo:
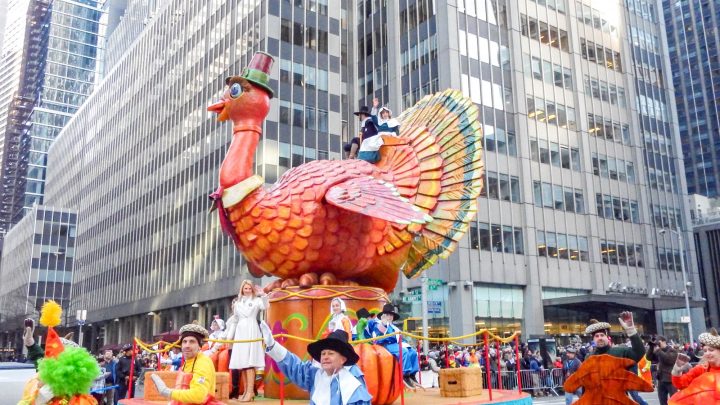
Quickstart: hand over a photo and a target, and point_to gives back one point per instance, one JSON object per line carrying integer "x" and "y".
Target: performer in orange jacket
{"x": 697, "y": 386}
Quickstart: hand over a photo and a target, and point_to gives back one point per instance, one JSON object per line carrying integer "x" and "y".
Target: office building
{"x": 581, "y": 158}
{"x": 37, "y": 265}
{"x": 693, "y": 40}
{"x": 142, "y": 155}
{"x": 56, "y": 73}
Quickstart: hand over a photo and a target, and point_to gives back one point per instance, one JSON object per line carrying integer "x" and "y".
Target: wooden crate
{"x": 460, "y": 382}
{"x": 151, "y": 393}
{"x": 222, "y": 385}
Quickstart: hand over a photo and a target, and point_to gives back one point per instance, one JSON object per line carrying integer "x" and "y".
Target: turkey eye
{"x": 235, "y": 90}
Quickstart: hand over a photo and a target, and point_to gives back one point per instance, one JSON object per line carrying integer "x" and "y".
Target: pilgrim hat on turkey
{"x": 390, "y": 309}
{"x": 363, "y": 110}
{"x": 336, "y": 341}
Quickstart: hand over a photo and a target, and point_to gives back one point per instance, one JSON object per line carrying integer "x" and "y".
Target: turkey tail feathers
{"x": 446, "y": 138}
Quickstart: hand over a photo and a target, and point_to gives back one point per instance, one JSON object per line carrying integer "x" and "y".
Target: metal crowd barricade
{"x": 550, "y": 381}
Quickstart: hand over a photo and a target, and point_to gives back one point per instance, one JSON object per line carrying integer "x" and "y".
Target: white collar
{"x": 347, "y": 383}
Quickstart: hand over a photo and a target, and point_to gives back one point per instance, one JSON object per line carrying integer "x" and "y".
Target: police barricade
{"x": 543, "y": 382}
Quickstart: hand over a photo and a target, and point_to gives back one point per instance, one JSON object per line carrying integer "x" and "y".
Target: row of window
{"x": 651, "y": 107}
{"x": 662, "y": 180}
{"x": 602, "y": 90}
{"x": 308, "y": 37}
{"x": 644, "y": 39}
{"x": 501, "y": 186}
{"x": 601, "y": 55}
{"x": 609, "y": 129}
{"x": 551, "y": 112}
{"x": 668, "y": 259}
{"x": 621, "y": 209}
{"x": 487, "y": 93}
{"x": 415, "y": 14}
{"x": 303, "y": 117}
{"x": 500, "y": 141}
{"x": 594, "y": 18}
{"x": 374, "y": 79}
{"x": 412, "y": 97}
{"x": 562, "y": 246}
{"x": 666, "y": 217}
{"x": 303, "y": 75}
{"x": 482, "y": 49}
{"x": 626, "y": 254}
{"x": 643, "y": 8}
{"x": 548, "y": 72}
{"x": 613, "y": 168}
{"x": 419, "y": 55}
{"x": 319, "y": 6}
{"x": 545, "y": 33}
{"x": 658, "y": 143}
{"x": 496, "y": 238}
{"x": 558, "y": 197}
{"x": 555, "y": 154}
{"x": 558, "y": 5}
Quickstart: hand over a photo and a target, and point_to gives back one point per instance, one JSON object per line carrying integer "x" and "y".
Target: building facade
{"x": 55, "y": 76}
{"x": 581, "y": 157}
{"x": 693, "y": 40}
{"x": 37, "y": 265}
{"x": 149, "y": 248}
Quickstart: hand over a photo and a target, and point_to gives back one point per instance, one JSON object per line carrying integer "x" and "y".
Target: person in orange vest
{"x": 644, "y": 369}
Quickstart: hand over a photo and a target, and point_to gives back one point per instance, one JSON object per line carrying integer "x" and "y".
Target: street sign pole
{"x": 423, "y": 281}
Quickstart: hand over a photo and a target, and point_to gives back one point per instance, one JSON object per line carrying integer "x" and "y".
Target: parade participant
{"x": 387, "y": 125}
{"x": 195, "y": 383}
{"x": 65, "y": 374}
{"x": 338, "y": 319}
{"x": 337, "y": 380}
{"x": 352, "y": 147}
{"x": 683, "y": 376}
{"x": 369, "y": 142}
{"x": 600, "y": 333}
{"x": 359, "y": 330}
{"x": 409, "y": 355}
{"x": 243, "y": 325}
{"x": 660, "y": 352}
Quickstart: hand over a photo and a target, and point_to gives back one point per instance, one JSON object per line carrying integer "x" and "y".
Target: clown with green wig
{"x": 65, "y": 374}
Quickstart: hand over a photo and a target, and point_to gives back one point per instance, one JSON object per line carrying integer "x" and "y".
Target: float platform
{"x": 429, "y": 396}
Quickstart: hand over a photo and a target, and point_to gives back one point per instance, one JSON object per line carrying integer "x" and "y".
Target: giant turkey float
{"x": 347, "y": 228}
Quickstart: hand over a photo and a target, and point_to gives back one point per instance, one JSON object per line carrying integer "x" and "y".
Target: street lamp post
{"x": 81, "y": 316}
{"x": 686, "y": 284}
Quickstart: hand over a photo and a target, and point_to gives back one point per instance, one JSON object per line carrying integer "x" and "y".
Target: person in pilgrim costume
{"x": 409, "y": 355}
{"x": 217, "y": 332}
{"x": 338, "y": 319}
{"x": 377, "y": 132}
{"x": 243, "y": 325}
{"x": 333, "y": 378}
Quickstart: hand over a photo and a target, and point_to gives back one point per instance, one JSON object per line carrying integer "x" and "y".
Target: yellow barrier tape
{"x": 332, "y": 294}
{"x": 147, "y": 346}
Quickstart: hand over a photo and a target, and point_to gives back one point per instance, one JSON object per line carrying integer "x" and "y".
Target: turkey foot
{"x": 308, "y": 280}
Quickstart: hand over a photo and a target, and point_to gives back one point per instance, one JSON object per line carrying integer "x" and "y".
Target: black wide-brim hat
{"x": 362, "y": 313}
{"x": 336, "y": 341}
{"x": 390, "y": 309}
{"x": 363, "y": 110}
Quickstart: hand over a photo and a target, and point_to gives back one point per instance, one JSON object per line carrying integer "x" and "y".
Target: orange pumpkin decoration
{"x": 381, "y": 373}
{"x": 704, "y": 389}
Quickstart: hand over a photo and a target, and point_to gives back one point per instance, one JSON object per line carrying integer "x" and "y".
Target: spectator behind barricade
{"x": 98, "y": 385}
{"x": 110, "y": 376}
{"x": 664, "y": 355}
{"x": 570, "y": 366}
{"x": 429, "y": 372}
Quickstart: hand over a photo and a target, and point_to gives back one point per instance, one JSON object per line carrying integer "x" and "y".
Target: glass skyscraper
{"x": 693, "y": 39}
{"x": 581, "y": 157}
{"x": 57, "y": 74}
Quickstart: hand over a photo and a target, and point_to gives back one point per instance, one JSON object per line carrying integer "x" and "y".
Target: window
{"x": 541, "y": 246}
{"x": 484, "y": 236}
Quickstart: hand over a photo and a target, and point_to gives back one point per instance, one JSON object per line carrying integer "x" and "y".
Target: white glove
{"x": 28, "y": 339}
{"x": 267, "y": 335}
{"x": 160, "y": 385}
{"x": 626, "y": 321}
{"x": 45, "y": 395}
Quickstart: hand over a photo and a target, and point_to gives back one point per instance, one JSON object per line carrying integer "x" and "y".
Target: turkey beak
{"x": 219, "y": 108}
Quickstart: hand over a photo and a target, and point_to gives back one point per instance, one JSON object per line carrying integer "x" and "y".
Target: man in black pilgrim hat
{"x": 369, "y": 145}
{"x": 338, "y": 380}
{"x": 409, "y": 354}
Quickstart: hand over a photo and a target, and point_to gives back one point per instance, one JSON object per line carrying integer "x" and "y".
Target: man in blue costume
{"x": 409, "y": 355}
{"x": 338, "y": 381}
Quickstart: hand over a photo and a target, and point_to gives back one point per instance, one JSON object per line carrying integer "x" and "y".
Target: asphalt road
{"x": 650, "y": 397}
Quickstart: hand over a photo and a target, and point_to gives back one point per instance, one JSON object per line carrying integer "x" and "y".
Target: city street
{"x": 650, "y": 397}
